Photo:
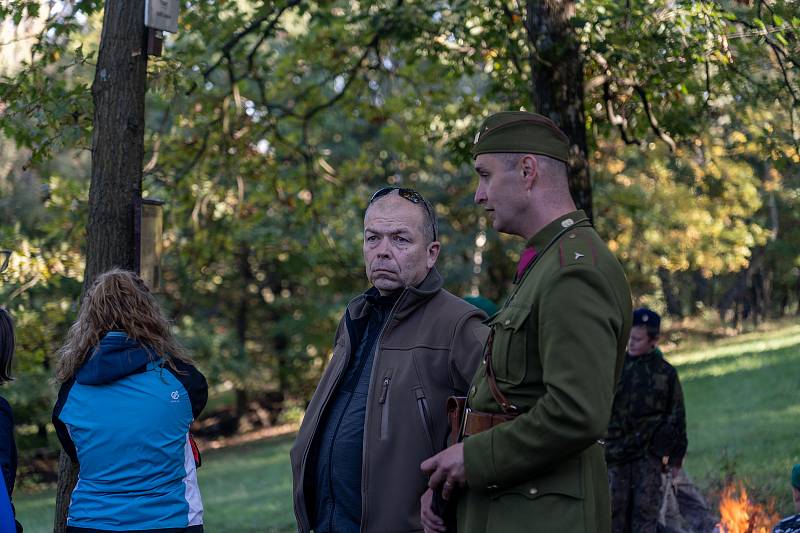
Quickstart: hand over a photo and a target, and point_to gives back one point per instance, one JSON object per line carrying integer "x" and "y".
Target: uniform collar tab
{"x": 548, "y": 233}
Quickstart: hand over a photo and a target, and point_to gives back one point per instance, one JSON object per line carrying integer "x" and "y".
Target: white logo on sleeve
{"x": 175, "y": 395}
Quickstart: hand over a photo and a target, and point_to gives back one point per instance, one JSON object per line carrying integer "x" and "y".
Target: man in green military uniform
{"x": 530, "y": 458}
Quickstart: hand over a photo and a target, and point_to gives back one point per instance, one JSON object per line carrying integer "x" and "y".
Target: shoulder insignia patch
{"x": 575, "y": 249}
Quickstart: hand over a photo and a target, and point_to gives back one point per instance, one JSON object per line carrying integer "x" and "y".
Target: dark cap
{"x": 646, "y": 317}
{"x": 796, "y": 477}
{"x": 522, "y": 133}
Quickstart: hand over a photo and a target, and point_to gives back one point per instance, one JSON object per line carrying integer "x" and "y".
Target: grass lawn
{"x": 743, "y": 406}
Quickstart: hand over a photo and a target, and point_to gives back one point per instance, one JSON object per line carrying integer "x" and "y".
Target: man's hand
{"x": 446, "y": 468}
{"x": 430, "y": 520}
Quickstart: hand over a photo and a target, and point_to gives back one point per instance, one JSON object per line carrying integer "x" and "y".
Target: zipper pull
{"x": 384, "y": 389}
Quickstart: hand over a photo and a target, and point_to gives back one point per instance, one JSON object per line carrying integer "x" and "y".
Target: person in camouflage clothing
{"x": 647, "y": 431}
{"x": 791, "y": 524}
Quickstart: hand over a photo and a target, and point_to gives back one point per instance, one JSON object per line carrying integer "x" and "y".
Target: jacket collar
{"x": 545, "y": 235}
{"x": 408, "y": 301}
{"x": 655, "y": 353}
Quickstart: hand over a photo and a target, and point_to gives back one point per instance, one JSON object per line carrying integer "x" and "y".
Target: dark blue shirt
{"x": 337, "y": 452}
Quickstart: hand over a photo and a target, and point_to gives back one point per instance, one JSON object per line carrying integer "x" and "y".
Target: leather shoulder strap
{"x": 507, "y": 407}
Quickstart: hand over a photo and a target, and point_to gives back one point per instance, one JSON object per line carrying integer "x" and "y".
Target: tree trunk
{"x": 280, "y": 342}
{"x": 784, "y": 305}
{"x": 670, "y": 296}
{"x": 242, "y": 312}
{"x": 557, "y": 84}
{"x": 797, "y": 292}
{"x": 733, "y": 298}
{"x": 117, "y": 152}
{"x": 700, "y": 291}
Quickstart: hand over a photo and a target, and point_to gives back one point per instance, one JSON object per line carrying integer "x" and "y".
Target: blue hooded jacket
{"x": 124, "y": 419}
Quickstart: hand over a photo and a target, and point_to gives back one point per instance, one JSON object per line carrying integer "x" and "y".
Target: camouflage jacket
{"x": 648, "y": 414}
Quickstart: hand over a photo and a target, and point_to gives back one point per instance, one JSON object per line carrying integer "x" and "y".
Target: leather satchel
{"x": 455, "y": 417}
{"x": 446, "y": 509}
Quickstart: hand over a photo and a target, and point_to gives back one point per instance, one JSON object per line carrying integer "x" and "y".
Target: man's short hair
{"x": 547, "y": 164}
{"x": 430, "y": 225}
{"x": 510, "y": 160}
{"x": 648, "y": 319}
{"x": 430, "y": 228}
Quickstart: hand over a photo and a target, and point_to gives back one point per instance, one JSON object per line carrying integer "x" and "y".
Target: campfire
{"x": 739, "y": 514}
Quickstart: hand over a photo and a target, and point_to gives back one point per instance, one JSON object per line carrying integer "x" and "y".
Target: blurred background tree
{"x": 269, "y": 124}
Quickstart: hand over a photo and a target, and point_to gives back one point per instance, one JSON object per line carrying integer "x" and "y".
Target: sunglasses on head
{"x": 409, "y": 194}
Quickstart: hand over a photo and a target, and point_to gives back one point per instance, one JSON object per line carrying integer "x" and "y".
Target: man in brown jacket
{"x": 401, "y": 349}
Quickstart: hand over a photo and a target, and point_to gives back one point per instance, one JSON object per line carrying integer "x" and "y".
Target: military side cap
{"x": 522, "y": 133}
{"x": 646, "y": 317}
{"x": 796, "y": 476}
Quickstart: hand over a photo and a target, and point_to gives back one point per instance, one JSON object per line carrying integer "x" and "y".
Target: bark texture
{"x": 118, "y": 93}
{"x": 557, "y": 84}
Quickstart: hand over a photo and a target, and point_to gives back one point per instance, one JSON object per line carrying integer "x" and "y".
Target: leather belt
{"x": 478, "y": 422}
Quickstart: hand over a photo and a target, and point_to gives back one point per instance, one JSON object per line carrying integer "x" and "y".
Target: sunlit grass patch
{"x": 754, "y": 343}
{"x": 743, "y": 404}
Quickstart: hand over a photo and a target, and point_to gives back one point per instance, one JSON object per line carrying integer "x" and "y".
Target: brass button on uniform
{"x": 491, "y": 486}
{"x": 472, "y": 391}
{"x": 533, "y": 491}
{"x": 507, "y": 322}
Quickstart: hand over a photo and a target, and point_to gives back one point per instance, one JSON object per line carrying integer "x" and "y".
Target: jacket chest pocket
{"x": 510, "y": 344}
{"x": 652, "y": 399}
{"x": 384, "y": 398}
{"x": 554, "y": 502}
{"x": 425, "y": 417}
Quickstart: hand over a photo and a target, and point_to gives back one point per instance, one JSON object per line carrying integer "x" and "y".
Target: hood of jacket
{"x": 116, "y": 357}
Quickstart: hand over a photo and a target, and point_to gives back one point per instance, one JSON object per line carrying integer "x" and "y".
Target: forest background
{"x": 269, "y": 124}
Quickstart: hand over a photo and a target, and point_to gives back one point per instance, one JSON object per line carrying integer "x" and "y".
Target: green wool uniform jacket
{"x": 559, "y": 343}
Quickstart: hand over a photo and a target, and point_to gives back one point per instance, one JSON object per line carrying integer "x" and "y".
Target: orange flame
{"x": 741, "y": 515}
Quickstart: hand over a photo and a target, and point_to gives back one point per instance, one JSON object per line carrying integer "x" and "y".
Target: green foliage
{"x": 269, "y": 124}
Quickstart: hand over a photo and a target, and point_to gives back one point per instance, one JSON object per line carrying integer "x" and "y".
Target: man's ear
{"x": 433, "y": 253}
{"x": 529, "y": 168}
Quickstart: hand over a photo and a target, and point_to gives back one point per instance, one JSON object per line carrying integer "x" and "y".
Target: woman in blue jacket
{"x": 129, "y": 392}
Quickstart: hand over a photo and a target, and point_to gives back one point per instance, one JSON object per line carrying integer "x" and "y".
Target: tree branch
{"x": 267, "y": 31}
{"x": 191, "y": 164}
{"x": 617, "y": 120}
{"x": 652, "y": 119}
{"x": 254, "y": 25}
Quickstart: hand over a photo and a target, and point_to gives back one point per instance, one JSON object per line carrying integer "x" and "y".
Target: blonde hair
{"x": 118, "y": 300}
